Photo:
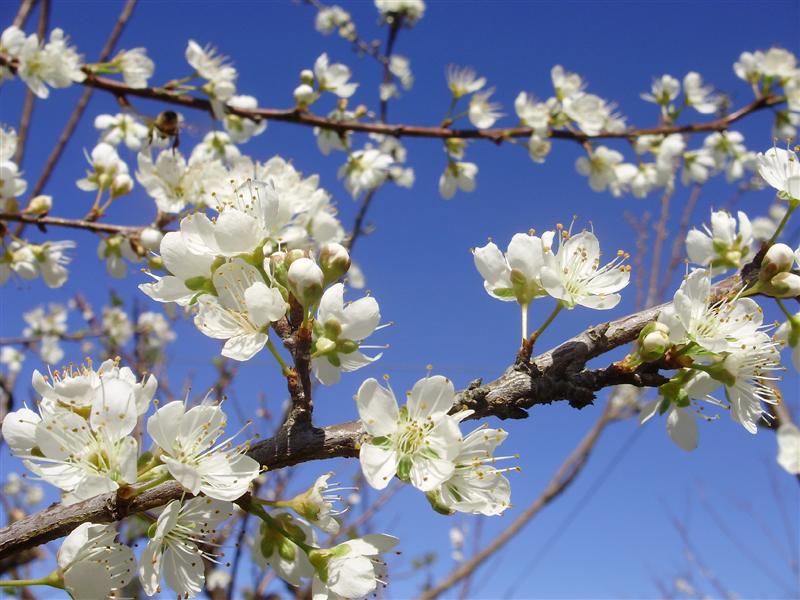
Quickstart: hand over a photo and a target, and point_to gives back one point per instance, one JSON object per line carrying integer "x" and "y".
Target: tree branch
{"x": 557, "y": 374}
{"x": 308, "y": 119}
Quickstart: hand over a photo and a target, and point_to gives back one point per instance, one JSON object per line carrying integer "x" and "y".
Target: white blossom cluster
{"x": 421, "y": 443}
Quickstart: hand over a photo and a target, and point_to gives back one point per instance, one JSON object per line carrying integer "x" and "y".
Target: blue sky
{"x": 419, "y": 268}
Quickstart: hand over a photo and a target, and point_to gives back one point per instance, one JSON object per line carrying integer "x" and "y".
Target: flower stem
{"x": 782, "y": 224}
{"x": 524, "y": 321}
{"x": 535, "y": 335}
{"x": 152, "y": 484}
{"x": 284, "y": 367}
{"x": 53, "y": 580}
{"x": 784, "y": 310}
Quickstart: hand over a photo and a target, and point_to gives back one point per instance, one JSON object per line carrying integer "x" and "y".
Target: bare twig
{"x": 678, "y": 241}
{"x": 24, "y": 11}
{"x": 71, "y": 223}
{"x": 661, "y": 236}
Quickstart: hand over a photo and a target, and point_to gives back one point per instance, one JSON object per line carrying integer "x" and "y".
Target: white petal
{"x": 377, "y": 408}
{"x": 431, "y": 397}
{"x": 378, "y": 465}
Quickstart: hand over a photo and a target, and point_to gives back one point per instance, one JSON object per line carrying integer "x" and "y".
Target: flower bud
{"x": 150, "y": 238}
{"x": 294, "y": 255}
{"x": 306, "y": 281}
{"x": 276, "y": 265}
{"x": 121, "y": 185}
{"x": 324, "y": 345}
{"x": 334, "y": 259}
{"x": 653, "y": 341}
{"x": 778, "y": 258}
{"x": 786, "y": 285}
{"x": 307, "y": 77}
{"x": 304, "y": 95}
{"x": 40, "y": 204}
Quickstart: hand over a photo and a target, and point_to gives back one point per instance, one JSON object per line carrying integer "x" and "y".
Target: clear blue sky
{"x": 418, "y": 266}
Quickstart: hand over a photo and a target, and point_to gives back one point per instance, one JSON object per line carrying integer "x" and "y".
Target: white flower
{"x": 789, "y": 448}
{"x": 12, "y": 359}
{"x": 328, "y": 139}
{"x": 600, "y": 167}
{"x": 664, "y": 90}
{"x": 721, "y": 247}
{"x": 306, "y": 281}
{"x": 698, "y": 165}
{"x": 457, "y": 176}
{"x": 190, "y": 272}
{"x": 63, "y": 448}
{"x": 216, "y": 145}
{"x": 194, "y": 457}
{"x": 777, "y": 63}
{"x": 590, "y": 112}
{"x": 109, "y": 172}
{"x": 50, "y": 260}
{"x": 8, "y": 143}
{"x": 476, "y": 485}
{"x": 716, "y": 326}
{"x": 57, "y": 64}
{"x": 410, "y": 10}
{"x": 136, "y": 67}
{"x": 365, "y": 170}
{"x": 11, "y": 184}
{"x": 482, "y": 113}
{"x": 333, "y": 77}
{"x": 113, "y": 250}
{"x": 282, "y": 552}
{"x": 681, "y": 425}
{"x": 173, "y": 553}
{"x": 155, "y": 330}
{"x": 122, "y": 128}
{"x": 316, "y": 504}
{"x": 400, "y": 67}
{"x": 780, "y": 169}
{"x": 330, "y": 18}
{"x": 747, "y": 373}
{"x": 241, "y": 129}
{"x": 566, "y": 84}
{"x": 748, "y": 67}
{"x": 339, "y": 332}
{"x": 52, "y": 322}
{"x": 417, "y": 442}
{"x": 574, "y": 275}
{"x": 242, "y": 311}
{"x": 517, "y": 275}
{"x": 535, "y": 115}
{"x": 463, "y": 81}
{"x": 698, "y": 96}
{"x": 92, "y": 563}
{"x": 351, "y": 569}
{"x": 116, "y": 325}
{"x": 172, "y": 183}
{"x": 213, "y": 67}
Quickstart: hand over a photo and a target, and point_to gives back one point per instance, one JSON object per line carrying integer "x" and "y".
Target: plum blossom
{"x": 92, "y": 563}
{"x": 280, "y": 549}
{"x": 122, "y": 128}
{"x": 241, "y": 129}
{"x": 410, "y": 10}
{"x": 698, "y": 96}
{"x": 136, "y": 67}
{"x": 113, "y": 250}
{"x": 351, "y": 569}
{"x": 56, "y": 64}
{"x": 190, "y": 272}
{"x": 722, "y": 247}
{"x": 418, "y": 442}
{"x": 339, "y": 332}
{"x": 242, "y": 310}
{"x": 476, "y": 486}
{"x": 457, "y": 175}
{"x": 109, "y": 172}
{"x": 681, "y": 424}
{"x": 663, "y": 91}
{"x": 780, "y": 169}
{"x": 214, "y": 68}
{"x": 517, "y": 274}
{"x": 116, "y": 326}
{"x": 173, "y": 552}
{"x": 482, "y": 113}
{"x": 365, "y": 170}
{"x": 574, "y": 276}
{"x": 463, "y": 81}
{"x": 192, "y": 454}
{"x": 600, "y": 167}
{"x": 333, "y": 77}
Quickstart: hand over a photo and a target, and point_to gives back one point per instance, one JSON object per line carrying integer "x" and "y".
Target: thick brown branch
{"x": 558, "y": 374}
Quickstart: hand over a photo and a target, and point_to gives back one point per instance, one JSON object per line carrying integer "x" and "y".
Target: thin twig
{"x": 23, "y": 13}
{"x": 661, "y": 236}
{"x": 30, "y": 99}
{"x": 563, "y": 477}
{"x": 678, "y": 241}
{"x": 72, "y": 223}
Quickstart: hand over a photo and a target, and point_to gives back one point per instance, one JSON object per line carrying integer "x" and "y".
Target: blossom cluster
{"x": 421, "y": 443}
